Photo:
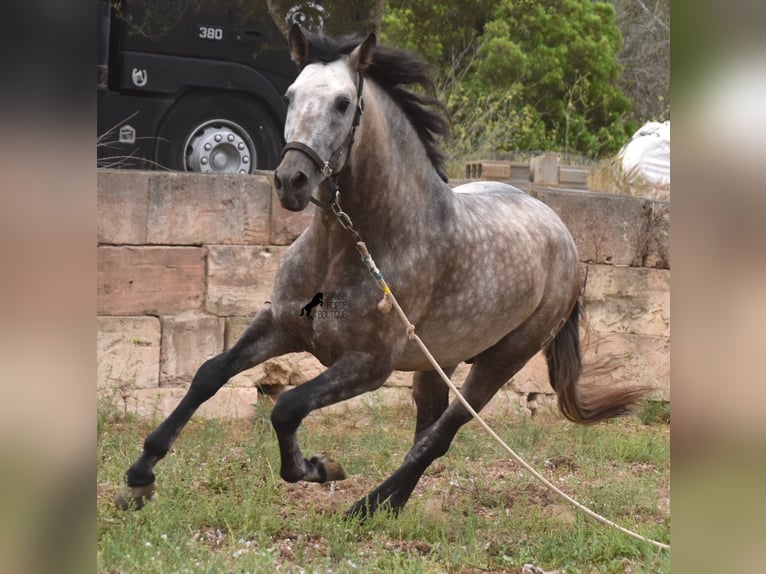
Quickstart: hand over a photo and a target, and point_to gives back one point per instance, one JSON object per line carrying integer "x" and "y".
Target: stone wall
{"x": 184, "y": 262}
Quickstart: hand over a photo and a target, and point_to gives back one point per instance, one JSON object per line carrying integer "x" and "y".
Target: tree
{"x": 645, "y": 56}
{"x": 522, "y": 74}
{"x": 333, "y": 18}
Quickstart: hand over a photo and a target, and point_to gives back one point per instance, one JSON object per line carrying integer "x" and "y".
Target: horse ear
{"x": 299, "y": 46}
{"x": 361, "y": 57}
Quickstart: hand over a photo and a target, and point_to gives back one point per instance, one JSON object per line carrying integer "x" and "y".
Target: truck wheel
{"x": 218, "y": 133}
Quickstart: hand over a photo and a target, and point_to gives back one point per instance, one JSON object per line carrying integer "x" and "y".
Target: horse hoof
{"x": 328, "y": 469}
{"x": 134, "y": 497}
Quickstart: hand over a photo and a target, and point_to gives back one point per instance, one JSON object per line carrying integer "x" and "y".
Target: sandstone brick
{"x": 520, "y": 172}
{"x": 235, "y": 326}
{"x": 150, "y": 280}
{"x": 128, "y": 353}
{"x": 614, "y": 358}
{"x": 157, "y": 404}
{"x": 364, "y": 404}
{"x": 628, "y": 299}
{"x": 533, "y": 377}
{"x": 658, "y": 243}
{"x": 240, "y": 278}
{"x": 544, "y": 169}
{"x": 122, "y": 201}
{"x": 607, "y": 228}
{"x": 188, "y": 340}
{"x": 287, "y": 225}
{"x": 505, "y": 402}
{"x": 404, "y": 378}
{"x": 571, "y": 176}
{"x": 400, "y": 379}
{"x": 290, "y": 369}
{"x": 195, "y": 209}
{"x": 248, "y": 378}
{"x": 617, "y": 358}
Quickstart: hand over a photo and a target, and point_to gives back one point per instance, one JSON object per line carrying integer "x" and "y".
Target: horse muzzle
{"x": 295, "y": 179}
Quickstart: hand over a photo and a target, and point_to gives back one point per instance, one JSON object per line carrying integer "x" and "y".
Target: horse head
{"x": 324, "y": 108}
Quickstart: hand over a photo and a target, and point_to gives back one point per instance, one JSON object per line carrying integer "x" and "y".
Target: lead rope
{"x": 388, "y": 302}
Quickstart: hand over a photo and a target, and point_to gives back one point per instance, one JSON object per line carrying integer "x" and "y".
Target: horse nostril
{"x": 277, "y": 180}
{"x": 299, "y": 181}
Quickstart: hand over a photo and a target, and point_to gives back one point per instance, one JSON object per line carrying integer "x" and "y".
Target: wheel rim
{"x": 219, "y": 146}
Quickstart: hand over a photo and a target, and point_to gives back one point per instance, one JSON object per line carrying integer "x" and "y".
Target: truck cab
{"x": 190, "y": 85}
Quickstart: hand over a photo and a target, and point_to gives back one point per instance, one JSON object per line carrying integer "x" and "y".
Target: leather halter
{"x": 331, "y": 167}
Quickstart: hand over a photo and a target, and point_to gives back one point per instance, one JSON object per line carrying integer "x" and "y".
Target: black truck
{"x": 197, "y": 85}
{"x": 191, "y": 85}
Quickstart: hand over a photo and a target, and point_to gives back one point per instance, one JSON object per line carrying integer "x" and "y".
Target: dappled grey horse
{"x": 485, "y": 272}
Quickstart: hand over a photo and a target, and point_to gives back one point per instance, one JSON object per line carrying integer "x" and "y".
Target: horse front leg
{"x": 352, "y": 375}
{"x": 262, "y": 340}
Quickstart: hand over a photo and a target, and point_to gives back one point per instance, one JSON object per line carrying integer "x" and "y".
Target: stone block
{"x": 628, "y": 300}
{"x": 287, "y": 225}
{"x": 607, "y": 228}
{"x": 122, "y": 200}
{"x": 611, "y": 358}
{"x": 235, "y": 326}
{"x": 196, "y": 209}
{"x": 188, "y": 340}
{"x": 240, "y": 278}
{"x": 488, "y": 170}
{"x": 150, "y": 280}
{"x": 404, "y": 378}
{"x": 128, "y": 353}
{"x": 658, "y": 243}
{"x": 369, "y": 402}
{"x": 400, "y": 379}
{"x": 571, "y": 176}
{"x": 544, "y": 169}
{"x": 520, "y": 172}
{"x": 626, "y": 359}
{"x": 157, "y": 404}
{"x": 290, "y": 369}
{"x": 533, "y": 377}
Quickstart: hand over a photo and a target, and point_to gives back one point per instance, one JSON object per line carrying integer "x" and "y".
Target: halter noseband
{"x": 329, "y": 167}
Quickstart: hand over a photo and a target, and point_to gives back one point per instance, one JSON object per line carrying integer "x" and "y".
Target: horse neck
{"x": 392, "y": 182}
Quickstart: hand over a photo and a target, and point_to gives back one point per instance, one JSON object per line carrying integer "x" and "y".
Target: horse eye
{"x": 342, "y": 104}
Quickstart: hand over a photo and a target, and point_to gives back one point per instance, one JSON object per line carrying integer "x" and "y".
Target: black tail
{"x": 583, "y": 405}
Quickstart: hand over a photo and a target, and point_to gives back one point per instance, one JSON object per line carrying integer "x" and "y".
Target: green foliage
{"x": 521, "y": 74}
{"x": 655, "y": 411}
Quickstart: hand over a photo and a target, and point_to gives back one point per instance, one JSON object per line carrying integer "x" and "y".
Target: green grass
{"x": 221, "y": 507}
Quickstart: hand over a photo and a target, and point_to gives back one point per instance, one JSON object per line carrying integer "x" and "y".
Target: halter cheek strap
{"x": 331, "y": 167}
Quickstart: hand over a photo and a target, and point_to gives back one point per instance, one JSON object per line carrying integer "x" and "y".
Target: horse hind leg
{"x": 490, "y": 371}
{"x": 262, "y": 340}
{"x": 431, "y": 396}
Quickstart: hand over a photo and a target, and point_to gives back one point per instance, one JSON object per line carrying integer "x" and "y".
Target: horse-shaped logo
{"x": 317, "y": 300}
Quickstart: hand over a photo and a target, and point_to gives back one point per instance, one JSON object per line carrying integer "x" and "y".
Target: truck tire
{"x": 218, "y": 132}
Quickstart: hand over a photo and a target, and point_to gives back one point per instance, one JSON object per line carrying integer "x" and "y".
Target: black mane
{"x": 394, "y": 70}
